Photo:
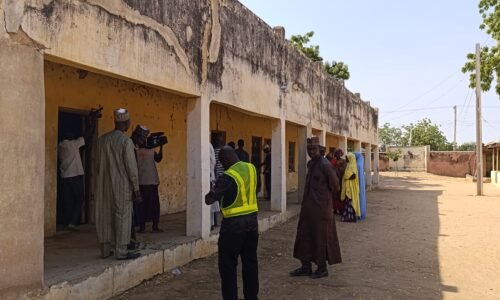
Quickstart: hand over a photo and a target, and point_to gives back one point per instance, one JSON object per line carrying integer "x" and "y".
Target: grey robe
{"x": 116, "y": 180}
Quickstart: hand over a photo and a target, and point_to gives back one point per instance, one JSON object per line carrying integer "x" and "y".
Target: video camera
{"x": 96, "y": 112}
{"x": 156, "y": 139}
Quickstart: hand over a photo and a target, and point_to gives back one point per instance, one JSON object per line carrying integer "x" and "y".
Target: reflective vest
{"x": 245, "y": 176}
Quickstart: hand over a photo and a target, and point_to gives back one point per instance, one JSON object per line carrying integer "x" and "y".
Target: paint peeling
{"x": 116, "y": 7}
{"x": 216, "y": 32}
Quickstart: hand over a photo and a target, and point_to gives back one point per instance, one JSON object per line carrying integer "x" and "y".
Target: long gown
{"x": 316, "y": 239}
{"x": 362, "y": 187}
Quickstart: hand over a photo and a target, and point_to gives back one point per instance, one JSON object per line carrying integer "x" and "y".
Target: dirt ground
{"x": 426, "y": 237}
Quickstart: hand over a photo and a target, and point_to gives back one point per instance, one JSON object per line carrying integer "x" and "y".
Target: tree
{"x": 490, "y": 56}
{"x": 389, "y": 136}
{"x": 311, "y": 51}
{"x": 469, "y": 146}
{"x": 338, "y": 70}
{"x": 425, "y": 133}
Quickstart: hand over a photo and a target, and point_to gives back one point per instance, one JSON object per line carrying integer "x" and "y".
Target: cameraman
{"x": 149, "y": 209}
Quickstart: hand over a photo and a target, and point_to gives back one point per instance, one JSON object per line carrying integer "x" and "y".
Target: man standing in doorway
{"x": 219, "y": 171}
{"x": 149, "y": 209}
{"x": 239, "y": 235}
{"x": 267, "y": 170}
{"x": 72, "y": 174}
{"x": 117, "y": 185}
{"x": 242, "y": 154}
{"x": 316, "y": 240}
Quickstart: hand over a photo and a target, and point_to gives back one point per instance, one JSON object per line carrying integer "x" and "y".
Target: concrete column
{"x": 376, "y": 165}
{"x": 198, "y": 167}
{"x": 322, "y": 138}
{"x": 357, "y": 146}
{"x": 22, "y": 175}
{"x": 368, "y": 165}
{"x": 278, "y": 166}
{"x": 343, "y": 143}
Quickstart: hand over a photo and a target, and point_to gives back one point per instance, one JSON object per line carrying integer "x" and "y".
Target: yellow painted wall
{"x": 332, "y": 141}
{"x": 239, "y": 125}
{"x": 292, "y": 180}
{"x": 158, "y": 110}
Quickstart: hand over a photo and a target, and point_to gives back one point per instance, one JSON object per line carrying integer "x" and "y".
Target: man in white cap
{"x": 117, "y": 186}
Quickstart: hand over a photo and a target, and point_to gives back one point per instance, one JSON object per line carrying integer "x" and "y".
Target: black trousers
{"x": 149, "y": 209}
{"x": 267, "y": 178}
{"x": 72, "y": 199}
{"x": 232, "y": 245}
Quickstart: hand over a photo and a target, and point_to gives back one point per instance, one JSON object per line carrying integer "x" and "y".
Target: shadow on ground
{"x": 392, "y": 254}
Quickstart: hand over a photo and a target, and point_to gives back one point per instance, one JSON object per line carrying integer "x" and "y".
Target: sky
{"x": 404, "y": 56}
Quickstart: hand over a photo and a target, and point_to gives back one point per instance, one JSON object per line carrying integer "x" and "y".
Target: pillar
{"x": 198, "y": 167}
{"x": 368, "y": 165}
{"x": 322, "y": 138}
{"x": 376, "y": 165}
{"x": 343, "y": 143}
{"x": 278, "y": 166}
{"x": 302, "y": 163}
{"x": 357, "y": 146}
{"x": 22, "y": 144}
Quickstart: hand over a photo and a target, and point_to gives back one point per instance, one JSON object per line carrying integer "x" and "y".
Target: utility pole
{"x": 455, "y": 129}
{"x": 479, "y": 120}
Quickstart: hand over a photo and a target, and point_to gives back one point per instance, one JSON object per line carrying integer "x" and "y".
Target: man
{"x": 242, "y": 154}
{"x": 317, "y": 240}
{"x": 267, "y": 170}
{"x": 239, "y": 235}
{"x": 149, "y": 208}
{"x": 72, "y": 174}
{"x": 117, "y": 185}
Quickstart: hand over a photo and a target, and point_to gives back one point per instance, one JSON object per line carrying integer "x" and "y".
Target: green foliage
{"x": 301, "y": 41}
{"x": 338, "y": 70}
{"x": 395, "y": 155}
{"x": 389, "y": 136}
{"x": 469, "y": 146}
{"x": 425, "y": 133}
{"x": 490, "y": 56}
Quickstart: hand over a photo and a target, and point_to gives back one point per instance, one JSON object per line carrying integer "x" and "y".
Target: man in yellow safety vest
{"x": 239, "y": 235}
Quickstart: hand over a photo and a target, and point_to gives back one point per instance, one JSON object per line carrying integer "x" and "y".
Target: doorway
{"x": 74, "y": 124}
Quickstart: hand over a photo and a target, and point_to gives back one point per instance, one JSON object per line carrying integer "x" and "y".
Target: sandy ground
{"x": 426, "y": 237}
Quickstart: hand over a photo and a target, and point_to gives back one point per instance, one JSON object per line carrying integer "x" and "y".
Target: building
{"x": 188, "y": 68}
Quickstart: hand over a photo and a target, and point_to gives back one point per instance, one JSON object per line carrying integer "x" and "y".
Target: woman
{"x": 362, "y": 188}
{"x": 339, "y": 164}
{"x": 350, "y": 191}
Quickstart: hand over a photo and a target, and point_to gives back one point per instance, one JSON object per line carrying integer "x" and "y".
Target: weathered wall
{"x": 458, "y": 163}
{"x": 181, "y": 45}
{"x": 158, "y": 110}
{"x": 413, "y": 159}
{"x": 22, "y": 167}
{"x": 453, "y": 164}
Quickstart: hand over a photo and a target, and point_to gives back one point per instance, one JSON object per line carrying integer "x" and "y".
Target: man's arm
{"x": 159, "y": 156}
{"x": 222, "y": 185}
{"x": 131, "y": 166}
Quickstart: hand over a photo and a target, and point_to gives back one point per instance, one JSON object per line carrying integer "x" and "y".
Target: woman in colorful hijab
{"x": 350, "y": 191}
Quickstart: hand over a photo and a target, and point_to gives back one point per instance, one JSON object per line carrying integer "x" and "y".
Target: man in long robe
{"x": 317, "y": 240}
{"x": 116, "y": 187}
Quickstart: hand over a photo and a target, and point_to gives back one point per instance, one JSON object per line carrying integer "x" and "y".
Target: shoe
{"x": 319, "y": 273}
{"x": 133, "y": 245}
{"x": 156, "y": 230}
{"x": 300, "y": 272}
{"x": 130, "y": 255}
{"x": 72, "y": 227}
